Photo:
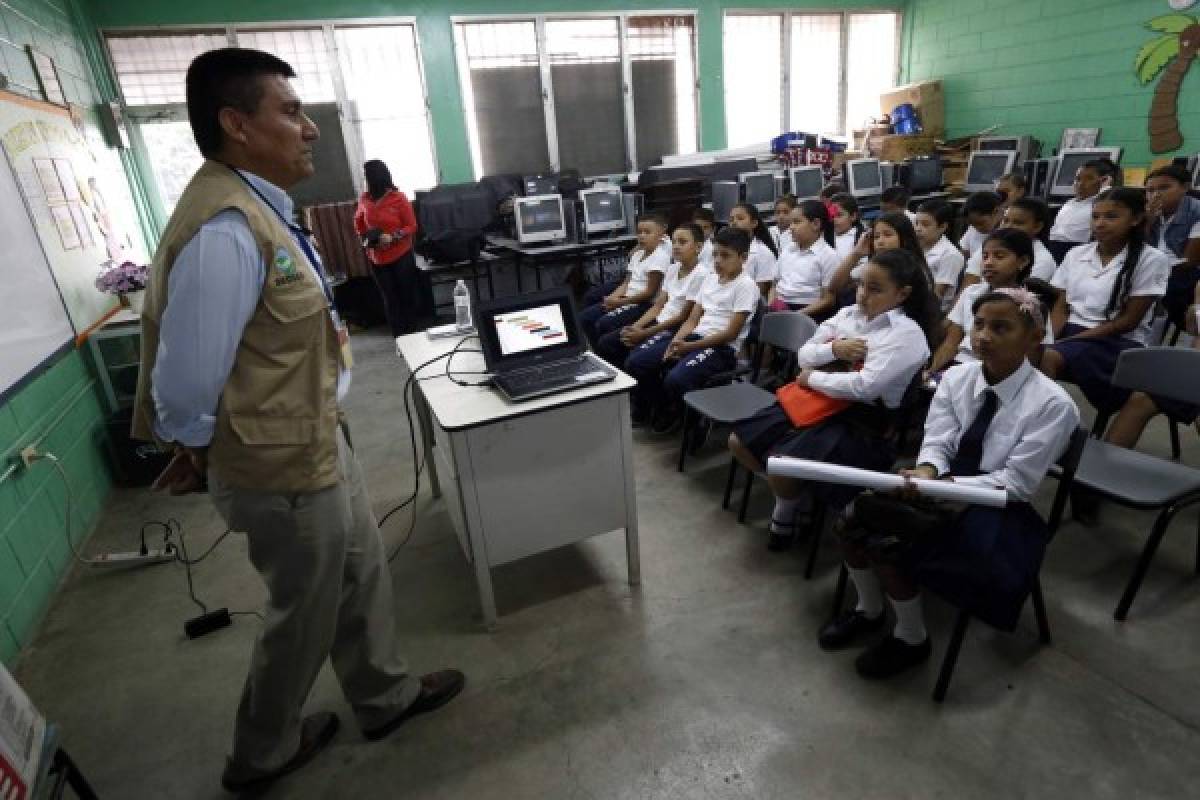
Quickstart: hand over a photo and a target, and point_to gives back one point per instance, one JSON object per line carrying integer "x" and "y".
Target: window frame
{"x": 786, "y": 16}
{"x": 539, "y": 21}
{"x": 171, "y": 112}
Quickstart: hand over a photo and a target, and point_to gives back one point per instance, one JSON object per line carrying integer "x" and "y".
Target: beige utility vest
{"x": 276, "y": 428}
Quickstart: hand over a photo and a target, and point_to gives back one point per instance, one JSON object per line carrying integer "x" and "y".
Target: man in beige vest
{"x": 244, "y": 361}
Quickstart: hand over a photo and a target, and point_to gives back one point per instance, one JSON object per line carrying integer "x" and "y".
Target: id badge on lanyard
{"x": 301, "y": 238}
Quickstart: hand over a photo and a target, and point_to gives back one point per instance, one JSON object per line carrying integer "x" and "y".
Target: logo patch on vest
{"x": 286, "y": 268}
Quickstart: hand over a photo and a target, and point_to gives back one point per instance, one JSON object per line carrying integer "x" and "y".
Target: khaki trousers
{"x": 330, "y": 595}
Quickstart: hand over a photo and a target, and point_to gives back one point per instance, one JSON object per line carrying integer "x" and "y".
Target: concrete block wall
{"x": 1037, "y": 66}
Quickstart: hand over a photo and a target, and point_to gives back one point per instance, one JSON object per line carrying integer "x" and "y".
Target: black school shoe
{"x": 316, "y": 731}
{"x": 846, "y": 627}
{"x": 890, "y": 657}
{"x": 437, "y": 689}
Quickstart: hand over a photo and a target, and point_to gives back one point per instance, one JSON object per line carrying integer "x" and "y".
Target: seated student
{"x": 633, "y": 296}
{"x": 1006, "y": 255}
{"x": 707, "y": 343}
{"x": 707, "y": 220}
{"x": 1032, "y": 216}
{"x": 945, "y": 261}
{"x": 1011, "y": 188}
{"x": 1175, "y": 230}
{"x": 762, "y": 262}
{"x": 650, "y": 334}
{"x": 866, "y": 354}
{"x": 983, "y": 214}
{"x": 808, "y": 263}
{"x": 1140, "y": 408}
{"x": 1073, "y": 225}
{"x": 889, "y": 232}
{"x": 783, "y": 221}
{"x": 847, "y": 224}
{"x": 997, "y": 424}
{"x": 895, "y": 200}
{"x": 1108, "y": 290}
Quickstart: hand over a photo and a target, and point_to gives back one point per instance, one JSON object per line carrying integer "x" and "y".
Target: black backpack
{"x": 452, "y": 246}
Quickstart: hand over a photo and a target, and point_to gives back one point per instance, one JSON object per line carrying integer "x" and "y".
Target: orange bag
{"x": 806, "y": 407}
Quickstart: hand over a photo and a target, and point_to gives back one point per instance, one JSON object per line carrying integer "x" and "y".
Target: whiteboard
{"x": 34, "y": 322}
{"x": 76, "y": 193}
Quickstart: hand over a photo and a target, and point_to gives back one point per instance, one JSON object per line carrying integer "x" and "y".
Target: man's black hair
{"x": 226, "y": 78}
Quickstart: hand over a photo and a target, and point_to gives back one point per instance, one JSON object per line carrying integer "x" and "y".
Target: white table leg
{"x": 632, "y": 548}
{"x": 426, "y": 425}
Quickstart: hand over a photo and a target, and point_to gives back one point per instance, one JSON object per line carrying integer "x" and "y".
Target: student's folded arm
{"x": 889, "y": 362}
{"x": 818, "y": 350}
{"x": 822, "y": 305}
{"x": 948, "y": 349}
{"x": 1042, "y": 442}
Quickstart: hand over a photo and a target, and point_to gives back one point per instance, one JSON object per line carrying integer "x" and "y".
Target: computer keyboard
{"x": 547, "y": 375}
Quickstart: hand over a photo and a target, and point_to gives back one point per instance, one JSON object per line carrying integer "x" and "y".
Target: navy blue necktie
{"x": 970, "y": 448}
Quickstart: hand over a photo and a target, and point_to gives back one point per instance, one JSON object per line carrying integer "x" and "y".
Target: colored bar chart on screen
{"x": 530, "y": 329}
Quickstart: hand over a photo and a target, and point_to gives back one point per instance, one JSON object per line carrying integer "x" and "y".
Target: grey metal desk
{"x": 522, "y": 478}
{"x": 536, "y": 257}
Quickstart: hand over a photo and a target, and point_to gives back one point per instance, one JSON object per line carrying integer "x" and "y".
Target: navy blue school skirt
{"x": 985, "y": 562}
{"x": 853, "y": 438}
{"x": 1089, "y": 364}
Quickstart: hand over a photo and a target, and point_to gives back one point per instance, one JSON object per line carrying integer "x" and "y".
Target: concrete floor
{"x": 704, "y": 682}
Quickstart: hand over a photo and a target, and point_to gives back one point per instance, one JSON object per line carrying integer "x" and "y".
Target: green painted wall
{"x": 434, "y": 30}
{"x": 1037, "y": 67}
{"x": 59, "y": 406}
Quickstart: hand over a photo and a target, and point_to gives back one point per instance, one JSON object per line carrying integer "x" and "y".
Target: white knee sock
{"x": 910, "y": 621}
{"x": 870, "y": 596}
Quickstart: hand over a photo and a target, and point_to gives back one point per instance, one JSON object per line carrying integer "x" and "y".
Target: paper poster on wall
{"x": 59, "y": 165}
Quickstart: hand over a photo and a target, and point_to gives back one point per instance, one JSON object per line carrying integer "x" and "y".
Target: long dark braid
{"x": 1134, "y": 200}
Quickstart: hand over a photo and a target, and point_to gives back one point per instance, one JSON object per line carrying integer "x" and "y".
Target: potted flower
{"x": 127, "y": 280}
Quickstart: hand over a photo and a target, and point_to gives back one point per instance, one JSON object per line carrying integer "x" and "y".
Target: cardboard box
{"x": 951, "y": 175}
{"x": 841, "y": 158}
{"x": 897, "y": 148}
{"x": 926, "y": 97}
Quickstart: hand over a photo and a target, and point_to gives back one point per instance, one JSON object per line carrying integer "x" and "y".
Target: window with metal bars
{"x": 814, "y": 72}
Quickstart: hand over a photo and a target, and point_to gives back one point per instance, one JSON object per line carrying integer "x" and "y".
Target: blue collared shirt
{"x": 213, "y": 289}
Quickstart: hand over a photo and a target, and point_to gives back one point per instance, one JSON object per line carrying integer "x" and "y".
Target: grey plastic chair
{"x": 783, "y": 330}
{"x": 1065, "y": 471}
{"x": 1138, "y": 480}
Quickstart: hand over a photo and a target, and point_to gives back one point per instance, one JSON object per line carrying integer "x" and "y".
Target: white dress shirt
{"x": 680, "y": 289}
{"x": 972, "y": 240}
{"x": 214, "y": 286}
{"x": 805, "y": 272}
{"x": 1088, "y": 284}
{"x": 761, "y": 264}
{"x": 1044, "y": 264}
{"x": 946, "y": 263}
{"x": 896, "y": 349}
{"x": 706, "y": 253}
{"x": 1032, "y": 427}
{"x": 844, "y": 243}
{"x": 1074, "y": 221}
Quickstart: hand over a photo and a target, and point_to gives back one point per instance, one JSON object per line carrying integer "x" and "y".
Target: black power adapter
{"x": 207, "y": 623}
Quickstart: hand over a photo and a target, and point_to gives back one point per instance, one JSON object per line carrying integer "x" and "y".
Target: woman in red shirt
{"x": 385, "y": 221}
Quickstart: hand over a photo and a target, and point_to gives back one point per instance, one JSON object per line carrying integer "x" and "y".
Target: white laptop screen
{"x": 530, "y": 329}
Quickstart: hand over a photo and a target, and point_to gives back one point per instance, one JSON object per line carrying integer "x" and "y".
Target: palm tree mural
{"x": 1177, "y": 47}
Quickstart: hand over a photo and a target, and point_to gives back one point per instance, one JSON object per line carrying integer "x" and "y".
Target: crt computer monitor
{"x": 603, "y": 209}
{"x": 924, "y": 175}
{"x": 988, "y": 166}
{"x": 1069, "y": 161}
{"x": 864, "y": 178}
{"x": 758, "y": 189}
{"x": 725, "y": 195}
{"x": 540, "y": 184}
{"x": 539, "y": 218}
{"x": 807, "y": 182}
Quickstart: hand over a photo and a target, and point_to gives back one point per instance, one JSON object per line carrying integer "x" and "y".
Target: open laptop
{"x": 533, "y": 345}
